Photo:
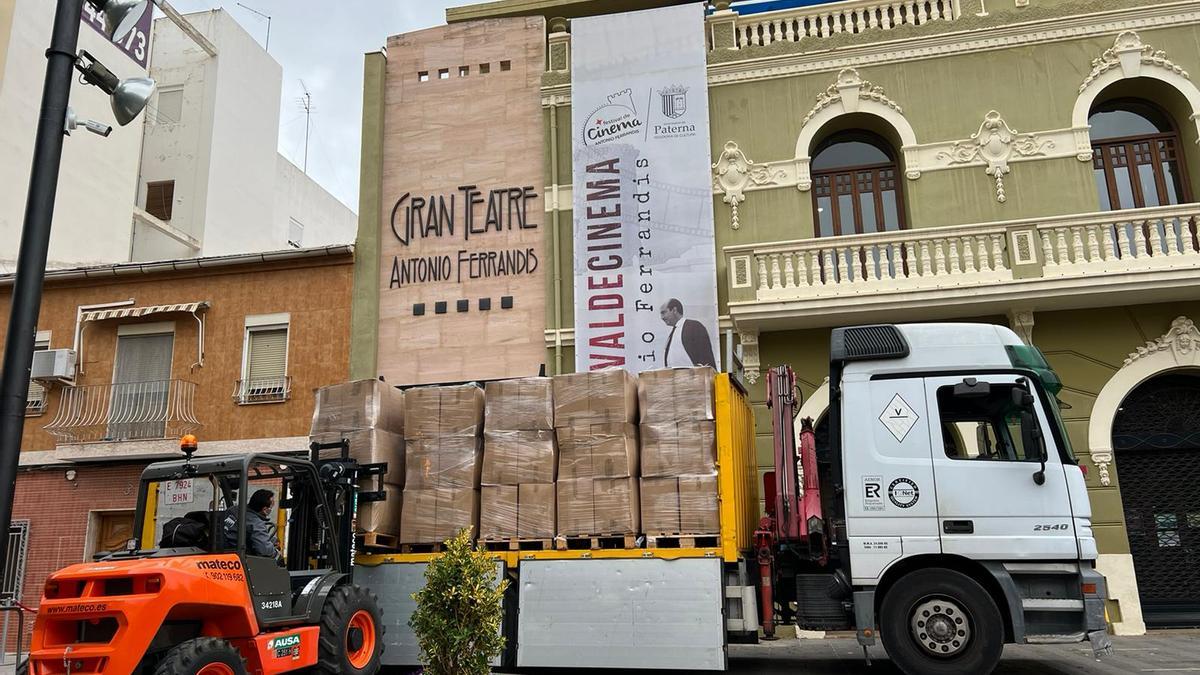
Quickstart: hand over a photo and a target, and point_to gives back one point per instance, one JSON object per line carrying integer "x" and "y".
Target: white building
{"x": 199, "y": 174}
{"x": 99, "y": 175}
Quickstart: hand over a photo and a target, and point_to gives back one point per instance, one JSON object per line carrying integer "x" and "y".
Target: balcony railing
{"x": 820, "y": 21}
{"x": 968, "y": 257}
{"x": 263, "y": 390}
{"x": 124, "y": 412}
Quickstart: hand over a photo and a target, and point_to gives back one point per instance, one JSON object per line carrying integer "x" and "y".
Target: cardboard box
{"x": 526, "y": 403}
{"x": 616, "y": 505}
{"x": 576, "y": 512}
{"x": 382, "y": 517}
{"x": 443, "y": 411}
{"x": 660, "y": 505}
{"x": 608, "y": 395}
{"x": 370, "y": 446}
{"x": 678, "y": 449}
{"x": 676, "y": 394}
{"x": 516, "y": 457}
{"x": 498, "y": 512}
{"x": 433, "y": 516}
{"x": 361, "y": 404}
{"x": 536, "y": 511}
{"x": 699, "y": 506}
{"x": 443, "y": 462}
{"x": 599, "y": 450}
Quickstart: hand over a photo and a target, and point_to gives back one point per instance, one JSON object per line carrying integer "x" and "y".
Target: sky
{"x": 324, "y": 49}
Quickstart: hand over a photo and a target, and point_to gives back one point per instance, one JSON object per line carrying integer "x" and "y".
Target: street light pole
{"x": 31, "y": 261}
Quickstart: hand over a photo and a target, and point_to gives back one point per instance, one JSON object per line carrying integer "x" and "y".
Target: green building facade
{"x": 1030, "y": 163}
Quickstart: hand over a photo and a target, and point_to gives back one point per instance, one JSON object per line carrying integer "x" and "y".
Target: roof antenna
{"x": 306, "y": 104}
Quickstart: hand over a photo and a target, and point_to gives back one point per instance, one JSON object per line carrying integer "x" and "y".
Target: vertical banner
{"x": 645, "y": 258}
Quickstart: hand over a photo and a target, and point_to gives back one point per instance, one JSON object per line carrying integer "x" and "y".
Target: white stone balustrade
{"x": 854, "y": 16}
{"x": 970, "y": 256}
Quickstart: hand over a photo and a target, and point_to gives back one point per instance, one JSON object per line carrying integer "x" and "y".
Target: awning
{"x": 137, "y": 312}
{"x": 193, "y": 308}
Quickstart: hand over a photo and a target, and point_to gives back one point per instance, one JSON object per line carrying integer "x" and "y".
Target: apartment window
{"x": 1136, "y": 158}
{"x": 264, "y": 361}
{"x": 295, "y": 233}
{"x": 855, "y": 188}
{"x": 170, "y": 105}
{"x": 160, "y": 198}
{"x": 140, "y": 403}
{"x": 35, "y": 402}
{"x": 13, "y": 582}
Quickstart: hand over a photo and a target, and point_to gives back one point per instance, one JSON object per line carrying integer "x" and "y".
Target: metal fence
{"x": 11, "y": 586}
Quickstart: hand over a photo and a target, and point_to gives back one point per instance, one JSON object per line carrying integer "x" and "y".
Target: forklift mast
{"x": 342, "y": 479}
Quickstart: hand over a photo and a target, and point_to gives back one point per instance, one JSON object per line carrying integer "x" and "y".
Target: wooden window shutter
{"x": 160, "y": 198}
{"x": 268, "y": 354}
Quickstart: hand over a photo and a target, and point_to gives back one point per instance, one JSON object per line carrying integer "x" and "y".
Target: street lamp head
{"x": 120, "y": 16}
{"x": 130, "y": 98}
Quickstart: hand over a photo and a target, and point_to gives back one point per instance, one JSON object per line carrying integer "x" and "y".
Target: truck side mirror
{"x": 1031, "y": 438}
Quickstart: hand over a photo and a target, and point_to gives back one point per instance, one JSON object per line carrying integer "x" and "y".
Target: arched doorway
{"x": 855, "y": 186}
{"x": 1156, "y": 437}
{"x": 1138, "y": 160}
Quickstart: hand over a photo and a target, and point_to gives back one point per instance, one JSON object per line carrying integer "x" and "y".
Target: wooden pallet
{"x": 376, "y": 540}
{"x": 421, "y": 548}
{"x": 682, "y": 540}
{"x": 517, "y": 544}
{"x": 596, "y": 542}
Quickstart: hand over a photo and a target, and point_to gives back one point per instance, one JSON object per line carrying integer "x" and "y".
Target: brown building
{"x": 228, "y": 348}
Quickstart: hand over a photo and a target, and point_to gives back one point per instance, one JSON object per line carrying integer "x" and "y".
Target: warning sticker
{"x": 899, "y": 418}
{"x": 872, "y": 495}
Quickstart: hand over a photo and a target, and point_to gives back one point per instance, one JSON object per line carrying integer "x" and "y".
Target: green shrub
{"x": 459, "y": 612}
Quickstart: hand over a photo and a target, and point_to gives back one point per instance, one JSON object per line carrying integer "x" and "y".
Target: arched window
{"x": 1137, "y": 161}
{"x": 855, "y": 185}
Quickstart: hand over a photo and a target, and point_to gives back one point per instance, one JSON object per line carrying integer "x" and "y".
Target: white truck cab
{"x": 964, "y": 518}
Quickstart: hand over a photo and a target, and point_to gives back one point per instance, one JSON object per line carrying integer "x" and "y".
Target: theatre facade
{"x": 1029, "y": 163}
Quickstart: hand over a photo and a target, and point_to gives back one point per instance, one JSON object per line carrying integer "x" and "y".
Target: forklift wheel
{"x": 351, "y": 632}
{"x": 202, "y": 656}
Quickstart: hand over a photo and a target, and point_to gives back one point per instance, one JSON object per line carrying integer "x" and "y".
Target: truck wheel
{"x": 202, "y": 656}
{"x": 941, "y": 622}
{"x": 351, "y": 632}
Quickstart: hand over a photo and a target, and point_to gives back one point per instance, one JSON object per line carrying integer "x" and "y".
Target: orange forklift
{"x": 212, "y": 607}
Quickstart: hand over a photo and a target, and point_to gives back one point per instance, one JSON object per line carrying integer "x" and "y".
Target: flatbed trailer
{"x": 616, "y": 608}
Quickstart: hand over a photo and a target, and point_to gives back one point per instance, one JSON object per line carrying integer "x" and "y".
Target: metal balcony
{"x": 1068, "y": 262}
{"x": 263, "y": 390}
{"x": 125, "y": 412}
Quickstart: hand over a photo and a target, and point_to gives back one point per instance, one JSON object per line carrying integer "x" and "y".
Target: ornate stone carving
{"x": 995, "y": 143}
{"x": 733, "y": 172}
{"x": 750, "y": 363}
{"x": 1182, "y": 340}
{"x": 1102, "y": 459}
{"x": 850, "y": 88}
{"x": 1021, "y": 321}
{"x": 1129, "y": 54}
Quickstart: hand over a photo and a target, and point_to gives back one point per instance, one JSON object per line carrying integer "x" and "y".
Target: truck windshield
{"x": 1028, "y": 357}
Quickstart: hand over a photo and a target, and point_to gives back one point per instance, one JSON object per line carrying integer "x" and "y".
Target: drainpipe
{"x": 556, "y": 253}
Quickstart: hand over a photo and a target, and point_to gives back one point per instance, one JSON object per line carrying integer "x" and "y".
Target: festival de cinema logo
{"x": 612, "y": 121}
{"x": 674, "y": 101}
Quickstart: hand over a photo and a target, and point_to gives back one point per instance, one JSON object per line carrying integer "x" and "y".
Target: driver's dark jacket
{"x": 261, "y": 534}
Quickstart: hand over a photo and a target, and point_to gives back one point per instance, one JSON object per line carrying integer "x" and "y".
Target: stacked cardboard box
{"x": 442, "y": 427}
{"x": 678, "y": 452}
{"x": 369, "y": 414}
{"x": 595, "y": 415}
{"x": 520, "y": 459}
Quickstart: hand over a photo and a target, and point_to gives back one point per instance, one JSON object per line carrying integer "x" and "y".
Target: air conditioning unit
{"x": 54, "y": 365}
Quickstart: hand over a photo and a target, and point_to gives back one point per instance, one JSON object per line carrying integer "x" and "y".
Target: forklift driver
{"x": 262, "y": 537}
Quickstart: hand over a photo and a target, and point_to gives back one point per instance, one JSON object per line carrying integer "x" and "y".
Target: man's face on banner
{"x": 669, "y": 315}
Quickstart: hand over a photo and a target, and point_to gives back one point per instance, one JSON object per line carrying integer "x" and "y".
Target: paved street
{"x": 1160, "y": 652}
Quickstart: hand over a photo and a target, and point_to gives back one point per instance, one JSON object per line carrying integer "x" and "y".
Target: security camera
{"x": 73, "y": 122}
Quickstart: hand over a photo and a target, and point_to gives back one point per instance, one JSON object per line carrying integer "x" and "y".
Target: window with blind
{"x": 160, "y": 198}
{"x": 264, "y": 370}
{"x": 35, "y": 402}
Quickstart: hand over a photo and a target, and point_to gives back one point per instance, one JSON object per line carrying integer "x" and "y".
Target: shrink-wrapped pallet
{"x": 676, "y": 394}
